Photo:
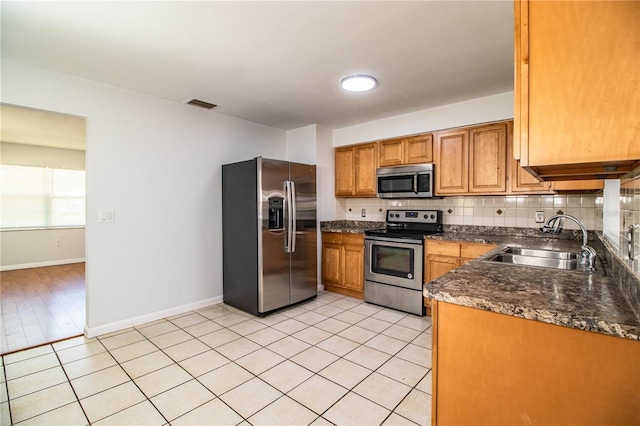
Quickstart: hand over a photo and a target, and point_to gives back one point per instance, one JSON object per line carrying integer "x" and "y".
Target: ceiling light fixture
{"x": 358, "y": 83}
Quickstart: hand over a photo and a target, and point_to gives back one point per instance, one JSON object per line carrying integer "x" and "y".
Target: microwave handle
{"x": 415, "y": 183}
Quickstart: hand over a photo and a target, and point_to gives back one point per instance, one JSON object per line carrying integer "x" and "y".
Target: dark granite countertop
{"x": 591, "y": 302}
{"x": 350, "y": 226}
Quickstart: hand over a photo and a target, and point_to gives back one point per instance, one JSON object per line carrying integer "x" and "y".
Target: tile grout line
{"x": 70, "y": 385}
{"x": 6, "y": 388}
{"x": 133, "y": 380}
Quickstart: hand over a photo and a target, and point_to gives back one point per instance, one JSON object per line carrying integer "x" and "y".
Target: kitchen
{"x": 117, "y": 147}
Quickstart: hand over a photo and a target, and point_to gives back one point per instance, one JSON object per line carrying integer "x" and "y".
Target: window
{"x": 38, "y": 197}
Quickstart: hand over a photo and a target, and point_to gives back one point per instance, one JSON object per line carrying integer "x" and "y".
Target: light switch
{"x": 106, "y": 216}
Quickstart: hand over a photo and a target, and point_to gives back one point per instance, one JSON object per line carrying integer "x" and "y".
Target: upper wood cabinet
{"x": 451, "y": 156}
{"x": 519, "y": 179}
{"x": 582, "y": 185}
{"x": 475, "y": 160}
{"x": 355, "y": 170}
{"x": 488, "y": 158}
{"x": 577, "y": 95}
{"x": 471, "y": 160}
{"x": 522, "y": 181}
{"x": 409, "y": 150}
{"x": 344, "y": 171}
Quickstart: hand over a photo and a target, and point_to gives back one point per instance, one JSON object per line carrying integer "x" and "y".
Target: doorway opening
{"x": 42, "y": 234}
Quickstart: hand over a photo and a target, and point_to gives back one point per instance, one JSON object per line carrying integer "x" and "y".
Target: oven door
{"x": 398, "y": 262}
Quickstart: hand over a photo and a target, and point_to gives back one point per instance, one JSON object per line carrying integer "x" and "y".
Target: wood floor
{"x": 41, "y": 305}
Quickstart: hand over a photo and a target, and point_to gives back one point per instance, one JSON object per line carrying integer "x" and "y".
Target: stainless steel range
{"x": 394, "y": 259}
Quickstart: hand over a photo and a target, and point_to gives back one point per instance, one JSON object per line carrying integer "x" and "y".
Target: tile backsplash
{"x": 630, "y": 208}
{"x": 510, "y": 210}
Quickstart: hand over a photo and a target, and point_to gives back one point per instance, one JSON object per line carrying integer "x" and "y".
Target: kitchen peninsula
{"x": 543, "y": 346}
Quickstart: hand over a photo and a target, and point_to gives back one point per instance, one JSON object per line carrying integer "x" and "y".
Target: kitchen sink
{"x": 551, "y": 254}
{"x": 562, "y": 260}
{"x": 545, "y": 262}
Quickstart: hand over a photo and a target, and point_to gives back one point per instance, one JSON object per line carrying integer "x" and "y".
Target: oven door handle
{"x": 396, "y": 241}
{"x": 415, "y": 183}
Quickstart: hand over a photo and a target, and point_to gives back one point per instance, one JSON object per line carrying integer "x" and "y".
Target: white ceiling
{"x": 44, "y": 128}
{"x": 275, "y": 63}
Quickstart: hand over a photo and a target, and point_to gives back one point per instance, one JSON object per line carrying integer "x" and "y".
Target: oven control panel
{"x": 414, "y": 216}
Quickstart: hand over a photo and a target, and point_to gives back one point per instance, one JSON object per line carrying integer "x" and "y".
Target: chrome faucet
{"x": 553, "y": 225}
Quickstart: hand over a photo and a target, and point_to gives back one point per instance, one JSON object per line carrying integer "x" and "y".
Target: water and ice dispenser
{"x": 276, "y": 213}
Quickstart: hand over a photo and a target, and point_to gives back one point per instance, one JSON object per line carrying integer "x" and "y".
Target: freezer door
{"x": 273, "y": 275}
{"x": 304, "y": 264}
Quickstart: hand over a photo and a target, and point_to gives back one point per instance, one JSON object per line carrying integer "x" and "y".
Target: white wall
{"x": 326, "y": 173}
{"x": 301, "y": 145}
{"x": 157, "y": 163}
{"x": 480, "y": 110}
{"x": 32, "y": 248}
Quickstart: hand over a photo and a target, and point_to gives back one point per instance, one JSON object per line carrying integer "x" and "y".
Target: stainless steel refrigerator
{"x": 269, "y": 234}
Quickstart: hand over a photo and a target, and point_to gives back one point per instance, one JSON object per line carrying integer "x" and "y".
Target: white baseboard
{"x": 41, "y": 264}
{"x": 142, "y": 319}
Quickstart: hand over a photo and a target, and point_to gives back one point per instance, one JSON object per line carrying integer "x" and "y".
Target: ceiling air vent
{"x": 199, "y": 103}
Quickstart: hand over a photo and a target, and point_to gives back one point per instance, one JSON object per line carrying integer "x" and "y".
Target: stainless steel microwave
{"x": 413, "y": 181}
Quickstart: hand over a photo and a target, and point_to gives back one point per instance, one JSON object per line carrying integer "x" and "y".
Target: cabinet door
{"x": 418, "y": 149}
{"x": 437, "y": 266}
{"x": 353, "y": 267}
{"x": 523, "y": 181}
{"x": 451, "y": 151}
{"x": 519, "y": 179}
{"x": 331, "y": 269}
{"x": 488, "y": 158}
{"x": 344, "y": 160}
{"x": 578, "y": 185}
{"x": 577, "y": 91}
{"x": 366, "y": 162}
{"x": 541, "y": 369}
{"x": 391, "y": 152}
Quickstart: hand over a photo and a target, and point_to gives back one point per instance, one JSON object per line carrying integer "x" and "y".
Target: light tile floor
{"x": 333, "y": 360}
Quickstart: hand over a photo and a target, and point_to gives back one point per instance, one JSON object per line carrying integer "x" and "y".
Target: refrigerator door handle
{"x": 288, "y": 238}
{"x": 294, "y": 218}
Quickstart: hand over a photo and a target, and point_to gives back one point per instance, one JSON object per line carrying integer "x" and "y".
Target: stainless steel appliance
{"x": 394, "y": 259}
{"x": 414, "y": 181}
{"x": 269, "y": 234}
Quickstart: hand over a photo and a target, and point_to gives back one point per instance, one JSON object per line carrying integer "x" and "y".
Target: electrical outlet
{"x": 539, "y": 217}
{"x": 58, "y": 242}
{"x": 363, "y": 213}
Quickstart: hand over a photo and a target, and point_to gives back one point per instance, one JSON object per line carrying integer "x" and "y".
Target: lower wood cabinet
{"x": 343, "y": 263}
{"x": 441, "y": 257}
{"x": 491, "y": 368}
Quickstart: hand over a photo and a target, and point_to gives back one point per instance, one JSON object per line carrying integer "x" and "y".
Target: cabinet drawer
{"x": 332, "y": 237}
{"x": 356, "y": 239}
{"x": 443, "y": 248}
{"x": 471, "y": 250}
